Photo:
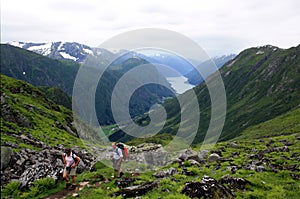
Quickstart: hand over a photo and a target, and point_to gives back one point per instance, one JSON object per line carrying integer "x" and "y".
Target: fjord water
{"x": 180, "y": 84}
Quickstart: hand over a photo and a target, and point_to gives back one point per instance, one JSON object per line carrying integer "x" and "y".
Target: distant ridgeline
{"x": 44, "y": 72}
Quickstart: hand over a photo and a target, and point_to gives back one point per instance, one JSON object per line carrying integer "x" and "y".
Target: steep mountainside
{"x": 25, "y": 111}
{"x": 43, "y": 71}
{"x": 285, "y": 124}
{"x": 261, "y": 83}
{"x": 195, "y": 78}
{"x": 58, "y": 96}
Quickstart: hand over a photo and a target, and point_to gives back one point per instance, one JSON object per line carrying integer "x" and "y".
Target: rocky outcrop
{"x": 11, "y": 115}
{"x": 164, "y": 173}
{"x": 207, "y": 188}
{"x": 211, "y": 188}
{"x": 149, "y": 154}
{"x": 234, "y": 183}
{"x": 29, "y": 165}
{"x": 6, "y": 153}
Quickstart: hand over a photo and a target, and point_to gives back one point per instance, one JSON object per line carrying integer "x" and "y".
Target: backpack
{"x": 73, "y": 156}
{"x": 123, "y": 149}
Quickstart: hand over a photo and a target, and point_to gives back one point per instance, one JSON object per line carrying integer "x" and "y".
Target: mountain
{"x": 263, "y": 162}
{"x": 64, "y": 50}
{"x": 36, "y": 69}
{"x": 195, "y": 78}
{"x": 80, "y": 52}
{"x": 178, "y": 65}
{"x": 261, "y": 83}
{"x": 39, "y": 71}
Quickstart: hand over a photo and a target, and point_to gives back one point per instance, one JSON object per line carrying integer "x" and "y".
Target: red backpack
{"x": 124, "y": 150}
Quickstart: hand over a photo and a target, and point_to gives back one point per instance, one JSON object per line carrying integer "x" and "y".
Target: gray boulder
{"x": 6, "y": 153}
{"x": 189, "y": 154}
{"x": 213, "y": 157}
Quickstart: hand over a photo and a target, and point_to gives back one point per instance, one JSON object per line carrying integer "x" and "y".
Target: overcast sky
{"x": 219, "y": 26}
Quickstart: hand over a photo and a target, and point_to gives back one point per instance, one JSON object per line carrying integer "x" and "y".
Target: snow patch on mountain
{"x": 17, "y": 44}
{"x": 88, "y": 51}
{"x": 60, "y": 47}
{"x": 44, "y": 49}
{"x": 67, "y": 56}
{"x": 260, "y": 52}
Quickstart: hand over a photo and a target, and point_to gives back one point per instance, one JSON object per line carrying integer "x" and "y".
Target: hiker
{"x": 117, "y": 158}
{"x": 70, "y": 161}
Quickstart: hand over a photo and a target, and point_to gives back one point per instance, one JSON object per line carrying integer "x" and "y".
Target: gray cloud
{"x": 218, "y": 26}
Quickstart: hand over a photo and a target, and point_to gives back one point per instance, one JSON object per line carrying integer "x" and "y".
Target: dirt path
{"x": 64, "y": 193}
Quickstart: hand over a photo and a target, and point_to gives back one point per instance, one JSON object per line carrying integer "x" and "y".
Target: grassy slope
{"x": 259, "y": 87}
{"x": 46, "y": 119}
{"x": 284, "y": 124}
{"x": 266, "y": 184}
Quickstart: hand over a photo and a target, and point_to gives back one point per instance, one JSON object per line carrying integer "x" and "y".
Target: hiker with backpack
{"x": 117, "y": 158}
{"x": 71, "y": 161}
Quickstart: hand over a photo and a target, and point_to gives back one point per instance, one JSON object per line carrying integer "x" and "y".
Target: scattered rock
{"x": 270, "y": 141}
{"x": 235, "y": 154}
{"x": 189, "y": 154}
{"x": 166, "y": 190}
{"x": 155, "y": 158}
{"x": 286, "y": 143}
{"x": 295, "y": 176}
{"x": 187, "y": 172}
{"x": 213, "y": 157}
{"x": 203, "y": 154}
{"x": 137, "y": 190}
{"x": 176, "y": 160}
{"x": 253, "y": 156}
{"x": 124, "y": 182}
{"x": 208, "y": 188}
{"x": 234, "y": 145}
{"x": 226, "y": 160}
{"x": 148, "y": 147}
{"x": 162, "y": 174}
{"x": 260, "y": 169}
{"x": 6, "y": 153}
{"x": 233, "y": 169}
{"x": 234, "y": 183}
{"x": 194, "y": 162}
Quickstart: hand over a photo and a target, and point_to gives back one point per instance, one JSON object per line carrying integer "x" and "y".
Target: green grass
{"x": 109, "y": 129}
{"x": 287, "y": 123}
{"x": 266, "y": 184}
{"x": 47, "y": 121}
